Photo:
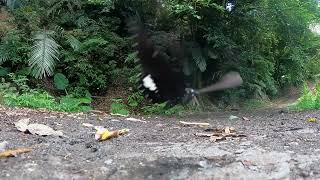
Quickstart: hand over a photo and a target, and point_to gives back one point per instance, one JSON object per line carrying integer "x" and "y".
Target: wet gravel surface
{"x": 279, "y": 145}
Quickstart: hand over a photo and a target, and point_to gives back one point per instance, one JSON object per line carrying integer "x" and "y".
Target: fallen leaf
{"x": 245, "y": 118}
{"x": 43, "y": 130}
{"x": 135, "y": 120}
{"x": 103, "y": 134}
{"x": 116, "y": 114}
{"x": 38, "y": 129}
{"x": 205, "y": 125}
{"x": 14, "y": 153}
{"x": 313, "y": 120}
{"x": 3, "y": 146}
{"x": 203, "y": 134}
{"x": 221, "y": 134}
{"x": 22, "y": 124}
{"x": 217, "y": 138}
{"x": 87, "y": 125}
{"x": 232, "y": 117}
{"x": 247, "y": 163}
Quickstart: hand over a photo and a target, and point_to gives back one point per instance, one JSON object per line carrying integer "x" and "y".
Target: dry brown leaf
{"x": 205, "y": 125}
{"x": 14, "y": 153}
{"x": 38, "y": 129}
{"x": 135, "y": 120}
{"x": 245, "y": 118}
{"x": 221, "y": 134}
{"x": 217, "y": 138}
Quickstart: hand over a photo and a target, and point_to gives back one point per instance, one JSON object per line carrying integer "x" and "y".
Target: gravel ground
{"x": 279, "y": 145}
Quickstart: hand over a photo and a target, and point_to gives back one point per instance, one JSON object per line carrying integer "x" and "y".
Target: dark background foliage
{"x": 268, "y": 41}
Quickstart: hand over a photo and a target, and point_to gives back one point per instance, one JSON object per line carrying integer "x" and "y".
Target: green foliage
{"x": 60, "y": 81}
{"x": 72, "y": 104}
{"x": 17, "y": 93}
{"x": 37, "y": 99}
{"x": 268, "y": 41}
{"x": 308, "y": 100}
{"x": 135, "y": 99}
{"x": 161, "y": 109}
{"x": 118, "y": 107}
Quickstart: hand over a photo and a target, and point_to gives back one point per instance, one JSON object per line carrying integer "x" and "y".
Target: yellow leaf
{"x": 313, "y": 120}
{"x": 104, "y": 134}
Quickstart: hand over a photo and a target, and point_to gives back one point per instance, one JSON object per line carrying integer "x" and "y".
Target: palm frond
{"x": 44, "y": 55}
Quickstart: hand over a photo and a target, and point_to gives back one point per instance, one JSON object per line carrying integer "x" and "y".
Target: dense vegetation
{"x": 79, "y": 48}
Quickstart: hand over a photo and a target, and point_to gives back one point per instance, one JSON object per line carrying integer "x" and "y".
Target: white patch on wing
{"x": 229, "y": 7}
{"x": 149, "y": 83}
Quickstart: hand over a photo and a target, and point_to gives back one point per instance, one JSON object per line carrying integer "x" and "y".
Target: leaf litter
{"x": 36, "y": 129}
{"x": 221, "y": 134}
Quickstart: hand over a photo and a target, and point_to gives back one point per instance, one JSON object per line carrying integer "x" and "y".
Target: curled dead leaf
{"x": 15, "y": 152}
{"x": 103, "y": 134}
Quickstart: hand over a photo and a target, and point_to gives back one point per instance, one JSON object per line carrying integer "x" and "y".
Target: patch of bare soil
{"x": 278, "y": 145}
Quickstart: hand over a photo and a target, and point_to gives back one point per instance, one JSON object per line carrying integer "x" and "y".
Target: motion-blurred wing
{"x": 159, "y": 79}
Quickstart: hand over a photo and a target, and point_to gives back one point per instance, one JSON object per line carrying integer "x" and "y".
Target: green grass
{"x": 38, "y": 99}
{"x": 309, "y": 100}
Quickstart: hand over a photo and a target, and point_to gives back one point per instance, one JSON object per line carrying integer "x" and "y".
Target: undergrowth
{"x": 309, "y": 99}
{"x": 137, "y": 103}
{"x": 18, "y": 94}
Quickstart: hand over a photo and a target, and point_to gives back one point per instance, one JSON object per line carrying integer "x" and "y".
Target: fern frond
{"x": 199, "y": 59}
{"x": 44, "y": 55}
{"x": 74, "y": 42}
{"x": 3, "y": 55}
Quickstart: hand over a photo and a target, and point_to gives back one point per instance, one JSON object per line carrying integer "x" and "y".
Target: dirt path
{"x": 279, "y": 145}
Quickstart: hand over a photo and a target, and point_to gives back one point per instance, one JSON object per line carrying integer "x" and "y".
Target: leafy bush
{"x": 308, "y": 99}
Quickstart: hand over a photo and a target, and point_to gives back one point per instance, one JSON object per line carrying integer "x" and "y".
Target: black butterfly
{"x": 159, "y": 79}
